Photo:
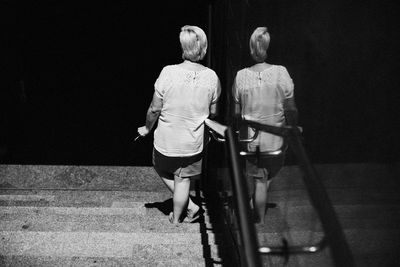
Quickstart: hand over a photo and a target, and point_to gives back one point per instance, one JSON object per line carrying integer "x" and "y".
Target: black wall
{"x": 79, "y": 77}
{"x": 343, "y": 57}
{"x": 83, "y": 77}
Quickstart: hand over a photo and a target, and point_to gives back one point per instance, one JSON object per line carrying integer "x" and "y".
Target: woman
{"x": 263, "y": 93}
{"x": 185, "y": 95}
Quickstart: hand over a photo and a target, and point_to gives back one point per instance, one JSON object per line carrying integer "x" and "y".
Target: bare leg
{"x": 260, "y": 197}
{"x": 181, "y": 196}
{"x": 169, "y": 183}
{"x": 171, "y": 186}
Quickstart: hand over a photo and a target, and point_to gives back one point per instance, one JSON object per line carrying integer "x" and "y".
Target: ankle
{"x": 172, "y": 218}
{"x": 192, "y": 206}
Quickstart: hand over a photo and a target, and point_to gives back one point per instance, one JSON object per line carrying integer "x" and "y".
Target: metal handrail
{"x": 334, "y": 234}
{"x": 217, "y": 132}
{"x": 249, "y": 139}
{"x": 256, "y": 153}
{"x": 286, "y": 250}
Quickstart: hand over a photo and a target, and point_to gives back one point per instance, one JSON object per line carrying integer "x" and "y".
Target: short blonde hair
{"x": 193, "y": 42}
{"x": 259, "y": 43}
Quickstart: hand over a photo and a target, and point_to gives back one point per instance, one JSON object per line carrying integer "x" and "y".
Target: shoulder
{"x": 242, "y": 74}
{"x": 211, "y": 75}
{"x": 168, "y": 68}
{"x": 168, "y": 71}
{"x": 241, "y": 71}
{"x": 281, "y": 68}
{"x": 210, "y": 72}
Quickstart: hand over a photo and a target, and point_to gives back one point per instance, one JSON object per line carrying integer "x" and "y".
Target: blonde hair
{"x": 193, "y": 42}
{"x": 259, "y": 43}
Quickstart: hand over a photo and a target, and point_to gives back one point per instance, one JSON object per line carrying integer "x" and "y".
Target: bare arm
{"x": 291, "y": 112}
{"x": 237, "y": 109}
{"x": 153, "y": 112}
{"x": 214, "y": 106}
{"x": 213, "y": 110}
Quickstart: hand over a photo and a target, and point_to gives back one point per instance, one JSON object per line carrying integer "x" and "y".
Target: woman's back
{"x": 261, "y": 93}
{"x": 187, "y": 92}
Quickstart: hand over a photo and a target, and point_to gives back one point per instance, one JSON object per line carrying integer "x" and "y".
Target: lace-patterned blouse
{"x": 186, "y": 96}
{"x": 261, "y": 96}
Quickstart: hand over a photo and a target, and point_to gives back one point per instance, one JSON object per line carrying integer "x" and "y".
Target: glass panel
{"x": 290, "y": 219}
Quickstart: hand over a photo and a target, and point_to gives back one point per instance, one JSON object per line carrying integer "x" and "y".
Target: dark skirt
{"x": 184, "y": 167}
{"x": 265, "y": 167}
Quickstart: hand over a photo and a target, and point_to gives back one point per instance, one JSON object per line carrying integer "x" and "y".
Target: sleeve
{"x": 285, "y": 82}
{"x": 235, "y": 90}
{"x": 161, "y": 83}
{"x": 217, "y": 91}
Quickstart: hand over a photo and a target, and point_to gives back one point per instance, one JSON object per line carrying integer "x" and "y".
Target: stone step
{"x": 38, "y": 255}
{"x": 338, "y": 196}
{"x": 378, "y": 259}
{"x": 53, "y": 261}
{"x": 144, "y": 178}
{"x": 86, "y": 203}
{"x": 351, "y": 175}
{"x": 362, "y": 242}
{"x": 135, "y": 246}
{"x": 117, "y": 178}
{"x": 83, "y": 198}
{"x": 93, "y": 219}
{"x": 364, "y": 196}
{"x": 286, "y": 198}
{"x": 129, "y": 216}
{"x": 292, "y": 213}
{"x": 50, "y": 227}
{"x": 346, "y": 176}
{"x": 324, "y": 259}
{"x": 299, "y": 217}
{"x": 318, "y": 259}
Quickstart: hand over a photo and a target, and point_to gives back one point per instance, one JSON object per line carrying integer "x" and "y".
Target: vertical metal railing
{"x": 250, "y": 255}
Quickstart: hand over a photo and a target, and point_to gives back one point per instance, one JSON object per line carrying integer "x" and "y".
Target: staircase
{"x": 96, "y": 216}
{"x": 117, "y": 216}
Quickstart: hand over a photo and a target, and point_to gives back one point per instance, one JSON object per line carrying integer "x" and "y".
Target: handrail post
{"x": 247, "y": 231}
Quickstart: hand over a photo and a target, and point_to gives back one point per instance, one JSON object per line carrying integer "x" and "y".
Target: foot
{"x": 171, "y": 218}
{"x": 193, "y": 214}
{"x": 256, "y": 218}
{"x": 260, "y": 222}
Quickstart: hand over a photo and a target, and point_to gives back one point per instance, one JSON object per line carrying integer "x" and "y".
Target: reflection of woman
{"x": 185, "y": 95}
{"x": 263, "y": 93}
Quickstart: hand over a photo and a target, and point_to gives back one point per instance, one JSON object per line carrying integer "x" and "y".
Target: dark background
{"x": 78, "y": 78}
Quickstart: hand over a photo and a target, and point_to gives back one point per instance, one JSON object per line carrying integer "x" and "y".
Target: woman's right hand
{"x": 143, "y": 131}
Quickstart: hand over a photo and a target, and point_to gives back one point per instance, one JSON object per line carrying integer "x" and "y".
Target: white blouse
{"x": 186, "y": 96}
{"x": 261, "y": 96}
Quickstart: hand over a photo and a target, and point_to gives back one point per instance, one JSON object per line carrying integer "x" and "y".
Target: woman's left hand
{"x": 143, "y": 131}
